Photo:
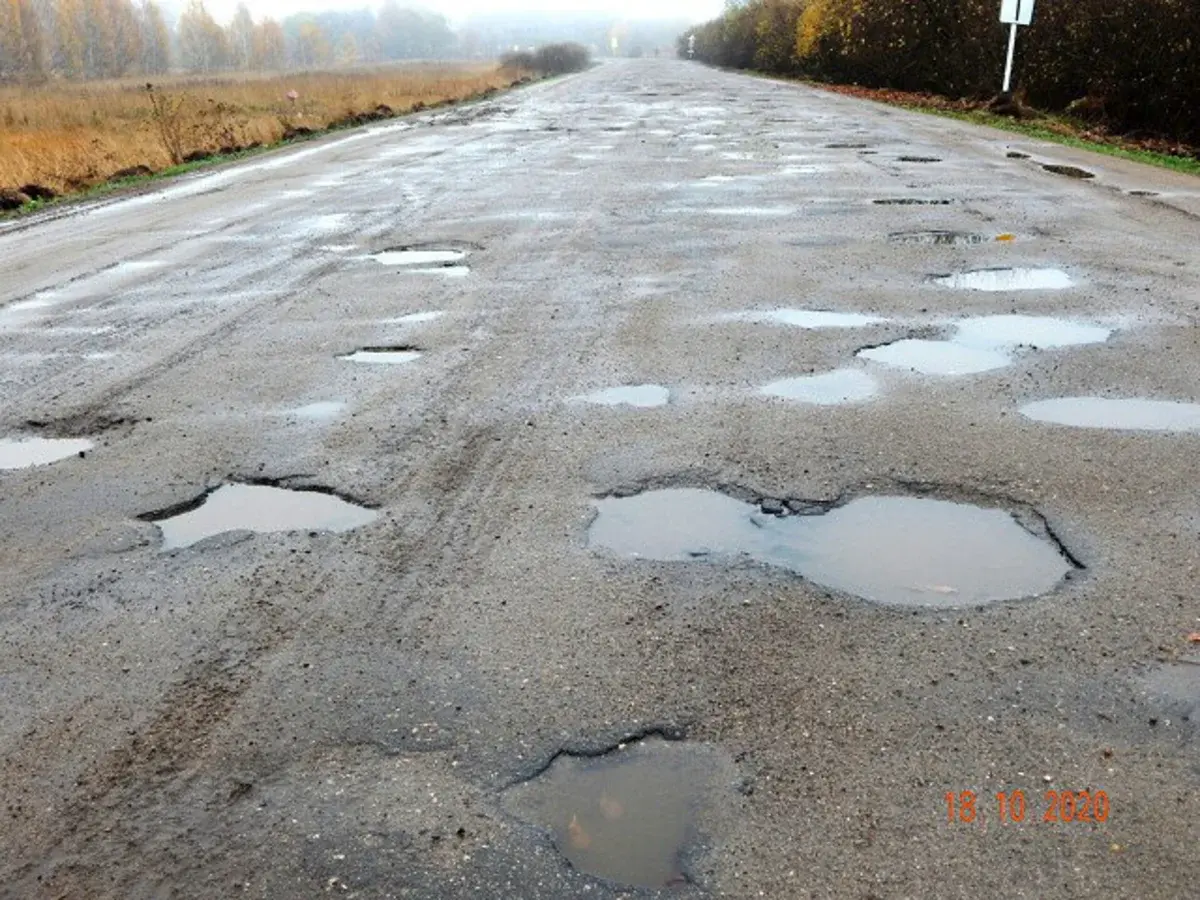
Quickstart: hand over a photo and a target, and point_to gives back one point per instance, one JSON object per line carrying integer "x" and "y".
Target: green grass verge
{"x": 1185, "y": 164}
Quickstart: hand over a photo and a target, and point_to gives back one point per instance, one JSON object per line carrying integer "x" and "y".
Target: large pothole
{"x": 1116, "y": 413}
{"x": 25, "y": 453}
{"x": 257, "y": 508}
{"x": 632, "y": 815}
{"x": 890, "y": 549}
{"x": 1007, "y": 280}
{"x": 392, "y": 356}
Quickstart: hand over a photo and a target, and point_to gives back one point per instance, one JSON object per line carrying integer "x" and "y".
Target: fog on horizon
{"x": 459, "y": 10}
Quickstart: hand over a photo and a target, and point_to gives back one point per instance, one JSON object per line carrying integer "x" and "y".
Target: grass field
{"x": 72, "y": 136}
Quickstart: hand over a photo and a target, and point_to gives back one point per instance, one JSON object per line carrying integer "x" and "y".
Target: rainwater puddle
{"x": 1007, "y": 280}
{"x": 642, "y": 395}
{"x": 415, "y": 318}
{"x": 392, "y": 356}
{"x": 261, "y": 509}
{"x": 763, "y": 211}
{"x": 892, "y": 550}
{"x": 1039, "y": 332}
{"x": 937, "y": 238}
{"x": 936, "y": 357}
{"x": 1120, "y": 414}
{"x": 24, "y": 453}
{"x": 628, "y": 816}
{"x": 803, "y": 318}
{"x": 317, "y": 412}
{"x": 418, "y": 257}
{"x": 828, "y": 389}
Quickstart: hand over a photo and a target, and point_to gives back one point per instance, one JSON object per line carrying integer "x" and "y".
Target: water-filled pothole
{"x": 630, "y": 815}
{"x": 1039, "y": 332}
{"x": 827, "y": 389}
{"x": 803, "y": 318}
{"x": 258, "y": 508}
{"x": 641, "y": 395}
{"x": 894, "y": 550}
{"x": 1118, "y": 414}
{"x": 939, "y": 238}
{"x": 1007, "y": 280}
{"x": 25, "y": 453}
{"x": 423, "y": 254}
{"x": 1069, "y": 171}
{"x": 396, "y": 355}
{"x": 911, "y": 201}
{"x": 936, "y": 357}
{"x": 918, "y": 159}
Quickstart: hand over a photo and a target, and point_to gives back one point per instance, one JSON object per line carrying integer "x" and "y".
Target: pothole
{"x": 418, "y": 257}
{"x": 938, "y": 238}
{"x": 415, "y": 318}
{"x": 1015, "y": 154}
{"x": 911, "y": 201}
{"x": 1069, "y": 171}
{"x": 893, "y": 550}
{"x": 918, "y": 159}
{"x": 827, "y": 389}
{"x": 25, "y": 453}
{"x": 640, "y": 395}
{"x": 803, "y": 318}
{"x": 258, "y": 508}
{"x": 1006, "y": 280}
{"x": 936, "y": 357}
{"x": 632, "y": 815}
{"x": 1039, "y": 332}
{"x": 1174, "y": 688}
{"x": 846, "y": 146}
{"x": 393, "y": 356}
{"x": 1143, "y": 193}
{"x": 1118, "y": 414}
{"x": 318, "y": 412}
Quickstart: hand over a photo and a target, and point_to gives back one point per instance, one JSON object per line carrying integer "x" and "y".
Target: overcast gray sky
{"x": 697, "y": 10}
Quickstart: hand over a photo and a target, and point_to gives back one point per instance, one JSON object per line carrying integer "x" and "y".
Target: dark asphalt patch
{"x": 1069, "y": 171}
{"x": 888, "y": 549}
{"x": 259, "y": 508}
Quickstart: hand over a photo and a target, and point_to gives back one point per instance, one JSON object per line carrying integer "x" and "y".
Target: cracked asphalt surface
{"x": 303, "y": 715}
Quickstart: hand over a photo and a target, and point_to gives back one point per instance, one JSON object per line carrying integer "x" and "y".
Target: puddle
{"x": 1069, "y": 171}
{"x": 1121, "y": 414}
{"x": 751, "y": 211}
{"x": 383, "y": 355}
{"x": 24, "y": 453}
{"x": 261, "y": 509}
{"x": 418, "y": 257}
{"x": 911, "y": 201}
{"x": 918, "y": 159}
{"x": 827, "y": 389}
{"x": 1039, "y": 332}
{"x": 939, "y": 238}
{"x": 936, "y": 357}
{"x": 1007, "y": 280}
{"x": 642, "y": 395}
{"x": 327, "y": 409}
{"x": 415, "y": 318}
{"x": 630, "y": 815}
{"x": 892, "y": 550}
{"x": 803, "y": 318}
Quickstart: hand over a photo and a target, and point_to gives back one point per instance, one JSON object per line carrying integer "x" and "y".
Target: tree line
{"x": 1133, "y": 64}
{"x": 84, "y": 39}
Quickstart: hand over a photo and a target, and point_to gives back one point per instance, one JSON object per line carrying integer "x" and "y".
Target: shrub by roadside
{"x": 551, "y": 59}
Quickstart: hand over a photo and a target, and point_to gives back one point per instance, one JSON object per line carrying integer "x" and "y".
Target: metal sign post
{"x": 1015, "y": 13}
{"x": 691, "y": 45}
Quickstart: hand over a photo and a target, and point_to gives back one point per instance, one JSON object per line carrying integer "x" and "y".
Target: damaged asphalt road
{"x": 427, "y": 356}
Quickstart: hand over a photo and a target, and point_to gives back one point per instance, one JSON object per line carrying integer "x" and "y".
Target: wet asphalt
{"x": 308, "y": 714}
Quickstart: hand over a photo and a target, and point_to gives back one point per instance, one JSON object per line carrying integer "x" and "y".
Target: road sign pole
{"x": 1008, "y": 66}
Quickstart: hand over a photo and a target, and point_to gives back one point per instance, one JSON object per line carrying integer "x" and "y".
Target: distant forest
{"x": 85, "y": 39}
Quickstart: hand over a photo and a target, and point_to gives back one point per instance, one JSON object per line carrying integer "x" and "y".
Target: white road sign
{"x": 1016, "y": 12}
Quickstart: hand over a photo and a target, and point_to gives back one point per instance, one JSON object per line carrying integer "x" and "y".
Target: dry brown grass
{"x": 70, "y": 136}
